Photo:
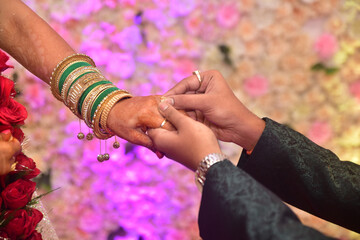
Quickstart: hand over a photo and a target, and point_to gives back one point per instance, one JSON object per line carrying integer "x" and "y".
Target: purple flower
{"x": 121, "y": 65}
{"x": 151, "y": 54}
{"x": 180, "y": 8}
{"x": 128, "y": 39}
{"x": 159, "y": 17}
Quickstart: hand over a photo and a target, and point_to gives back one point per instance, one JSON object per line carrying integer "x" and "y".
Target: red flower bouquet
{"x": 18, "y": 220}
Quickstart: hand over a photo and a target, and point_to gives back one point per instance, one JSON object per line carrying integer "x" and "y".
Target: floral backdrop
{"x": 295, "y": 61}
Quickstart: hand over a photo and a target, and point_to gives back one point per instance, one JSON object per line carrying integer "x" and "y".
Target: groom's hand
{"x": 213, "y": 103}
{"x": 131, "y": 118}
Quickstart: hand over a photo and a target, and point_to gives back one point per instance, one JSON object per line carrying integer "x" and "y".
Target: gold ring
{"x": 197, "y": 74}
{"x": 163, "y": 123}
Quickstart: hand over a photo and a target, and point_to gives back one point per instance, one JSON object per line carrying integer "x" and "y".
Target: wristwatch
{"x": 205, "y": 164}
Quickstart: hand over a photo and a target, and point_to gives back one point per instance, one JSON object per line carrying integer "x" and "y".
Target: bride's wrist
{"x": 113, "y": 119}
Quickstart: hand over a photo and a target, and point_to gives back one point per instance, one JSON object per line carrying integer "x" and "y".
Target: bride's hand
{"x": 189, "y": 144}
{"x": 9, "y": 148}
{"x": 131, "y": 118}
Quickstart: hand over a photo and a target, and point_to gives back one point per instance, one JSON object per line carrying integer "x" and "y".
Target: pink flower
{"x": 90, "y": 220}
{"x": 183, "y": 68}
{"x": 355, "y": 89}
{"x": 326, "y": 46}
{"x": 35, "y": 96}
{"x": 320, "y": 132}
{"x": 193, "y": 24}
{"x": 228, "y": 15}
{"x": 256, "y": 86}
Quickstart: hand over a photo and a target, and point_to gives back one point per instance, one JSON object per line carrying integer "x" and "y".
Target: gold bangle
{"x": 72, "y": 77}
{"x": 87, "y": 99}
{"x": 56, "y": 81}
{"x": 86, "y": 104}
{"x": 105, "y": 113}
{"x": 55, "y": 76}
{"x": 79, "y": 87}
{"x": 73, "y": 104}
{"x": 98, "y": 131}
{"x": 87, "y": 112}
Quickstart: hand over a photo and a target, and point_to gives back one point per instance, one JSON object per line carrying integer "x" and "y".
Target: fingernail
{"x": 167, "y": 100}
{"x": 7, "y": 131}
{"x": 159, "y": 154}
{"x": 163, "y": 106}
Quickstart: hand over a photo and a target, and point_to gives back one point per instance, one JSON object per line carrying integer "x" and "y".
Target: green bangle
{"x": 99, "y": 99}
{"x": 76, "y": 80}
{"x": 86, "y": 92}
{"x": 69, "y": 70}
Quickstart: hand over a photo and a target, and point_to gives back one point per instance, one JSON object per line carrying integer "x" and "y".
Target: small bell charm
{"x": 80, "y": 136}
{"x": 106, "y": 157}
{"x": 89, "y": 136}
{"x": 100, "y": 158}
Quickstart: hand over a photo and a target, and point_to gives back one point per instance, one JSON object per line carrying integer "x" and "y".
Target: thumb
{"x": 172, "y": 115}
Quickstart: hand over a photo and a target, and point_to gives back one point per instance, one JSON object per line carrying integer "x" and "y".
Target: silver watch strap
{"x": 205, "y": 164}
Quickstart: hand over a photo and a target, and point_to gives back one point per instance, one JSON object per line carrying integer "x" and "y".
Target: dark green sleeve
{"x": 235, "y": 206}
{"x": 306, "y": 175}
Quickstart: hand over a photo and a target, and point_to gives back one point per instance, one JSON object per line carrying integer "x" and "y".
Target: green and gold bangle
{"x": 68, "y": 70}
{"x": 87, "y": 91}
{"x": 89, "y": 102}
{"x": 102, "y": 109}
{"x": 99, "y": 99}
{"x": 107, "y": 108}
{"x": 54, "y": 79}
{"x": 72, "y": 79}
{"x": 73, "y": 101}
{"x": 80, "y": 85}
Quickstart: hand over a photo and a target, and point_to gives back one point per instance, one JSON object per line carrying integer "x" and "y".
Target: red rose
{"x": 6, "y": 90}
{"x": 18, "y": 134}
{"x": 3, "y": 59}
{"x": 6, "y": 127}
{"x": 25, "y": 163}
{"x": 12, "y": 114}
{"x": 35, "y": 236}
{"x": 23, "y": 222}
{"x": 3, "y": 234}
{"x": 18, "y": 194}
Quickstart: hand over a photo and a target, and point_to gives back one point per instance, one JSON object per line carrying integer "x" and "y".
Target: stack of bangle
{"x": 86, "y": 92}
